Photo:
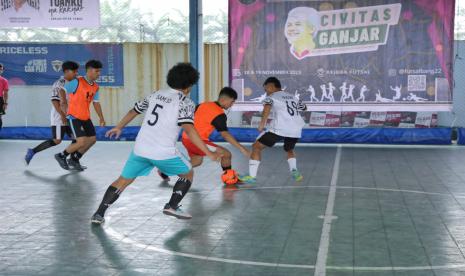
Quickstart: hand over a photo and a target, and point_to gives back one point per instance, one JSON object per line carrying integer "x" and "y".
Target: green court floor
{"x": 360, "y": 210}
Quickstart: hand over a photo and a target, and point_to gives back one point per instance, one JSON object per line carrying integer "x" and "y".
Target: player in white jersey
{"x": 169, "y": 110}
{"x": 286, "y": 126}
{"x": 58, "y": 120}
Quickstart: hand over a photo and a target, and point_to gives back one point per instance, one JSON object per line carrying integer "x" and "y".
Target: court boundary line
{"x": 323, "y": 248}
{"x": 123, "y": 238}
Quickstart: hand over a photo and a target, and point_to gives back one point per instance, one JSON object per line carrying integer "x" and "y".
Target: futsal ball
{"x": 229, "y": 177}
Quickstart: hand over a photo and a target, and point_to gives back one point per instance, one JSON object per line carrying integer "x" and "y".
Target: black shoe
{"x": 61, "y": 159}
{"x": 97, "y": 219}
{"x": 176, "y": 212}
{"x": 75, "y": 165}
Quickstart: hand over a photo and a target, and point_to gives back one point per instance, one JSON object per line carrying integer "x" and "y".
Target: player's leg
{"x": 196, "y": 157}
{"x": 180, "y": 189}
{"x": 177, "y": 166}
{"x": 226, "y": 157}
{"x": 76, "y": 127}
{"x": 266, "y": 139}
{"x": 135, "y": 166}
{"x": 73, "y": 147}
{"x": 67, "y": 130}
{"x": 90, "y": 140}
{"x": 196, "y": 160}
{"x": 89, "y": 143}
{"x": 229, "y": 175}
{"x": 289, "y": 145}
{"x": 57, "y": 136}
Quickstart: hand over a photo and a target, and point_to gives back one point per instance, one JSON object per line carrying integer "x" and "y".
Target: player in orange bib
{"x": 82, "y": 91}
{"x": 210, "y": 116}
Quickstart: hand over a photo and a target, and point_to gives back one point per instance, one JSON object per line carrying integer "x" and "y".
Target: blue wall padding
{"x": 423, "y": 136}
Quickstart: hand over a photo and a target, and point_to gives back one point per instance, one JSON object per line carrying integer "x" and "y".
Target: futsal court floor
{"x": 360, "y": 210}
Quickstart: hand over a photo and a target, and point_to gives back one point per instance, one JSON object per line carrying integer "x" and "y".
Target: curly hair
{"x": 181, "y": 76}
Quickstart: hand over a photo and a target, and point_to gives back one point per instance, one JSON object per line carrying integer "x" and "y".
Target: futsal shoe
{"x": 75, "y": 165}
{"x": 97, "y": 219}
{"x": 297, "y": 175}
{"x": 176, "y": 212}
{"x": 61, "y": 159}
{"x": 247, "y": 179}
{"x": 163, "y": 176}
{"x": 29, "y": 154}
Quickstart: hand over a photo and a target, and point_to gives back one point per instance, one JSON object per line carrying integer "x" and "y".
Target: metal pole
{"x": 196, "y": 45}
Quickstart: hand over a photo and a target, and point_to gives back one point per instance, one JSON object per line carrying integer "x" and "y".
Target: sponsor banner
{"x": 362, "y": 119}
{"x": 50, "y": 13}
{"x": 389, "y": 55}
{"x": 40, "y": 64}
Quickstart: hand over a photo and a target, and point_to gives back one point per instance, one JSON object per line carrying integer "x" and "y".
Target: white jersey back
{"x": 55, "y": 118}
{"x": 286, "y": 119}
{"x": 167, "y": 110}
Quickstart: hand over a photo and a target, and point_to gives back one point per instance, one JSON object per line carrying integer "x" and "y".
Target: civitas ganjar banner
{"x": 345, "y": 55}
{"x": 50, "y": 13}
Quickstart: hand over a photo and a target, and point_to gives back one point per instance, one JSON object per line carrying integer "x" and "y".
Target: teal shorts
{"x": 141, "y": 166}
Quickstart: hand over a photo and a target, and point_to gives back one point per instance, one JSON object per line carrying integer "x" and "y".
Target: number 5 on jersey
{"x": 154, "y": 112}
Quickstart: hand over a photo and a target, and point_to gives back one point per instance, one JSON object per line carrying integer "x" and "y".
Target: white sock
{"x": 292, "y": 164}
{"x": 253, "y": 167}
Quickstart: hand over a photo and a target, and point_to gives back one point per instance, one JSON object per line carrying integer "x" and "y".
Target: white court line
{"x": 118, "y": 236}
{"x": 457, "y": 195}
{"x": 320, "y": 267}
{"x": 123, "y": 238}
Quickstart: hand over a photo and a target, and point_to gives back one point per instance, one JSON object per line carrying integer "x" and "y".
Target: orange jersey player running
{"x": 210, "y": 116}
{"x": 81, "y": 91}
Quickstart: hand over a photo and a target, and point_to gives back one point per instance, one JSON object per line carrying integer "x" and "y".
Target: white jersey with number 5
{"x": 166, "y": 110}
{"x": 286, "y": 119}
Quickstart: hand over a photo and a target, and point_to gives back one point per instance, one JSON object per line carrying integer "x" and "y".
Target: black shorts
{"x": 58, "y": 132}
{"x": 82, "y": 128}
{"x": 269, "y": 139}
{"x": 2, "y": 102}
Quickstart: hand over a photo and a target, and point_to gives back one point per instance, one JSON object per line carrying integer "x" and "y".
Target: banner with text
{"x": 40, "y": 64}
{"x": 50, "y": 13}
{"x": 384, "y": 55}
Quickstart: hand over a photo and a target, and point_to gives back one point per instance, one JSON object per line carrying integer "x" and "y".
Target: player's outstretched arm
{"x": 195, "y": 139}
{"x": 265, "y": 115}
{"x": 116, "y": 131}
{"x": 230, "y": 139}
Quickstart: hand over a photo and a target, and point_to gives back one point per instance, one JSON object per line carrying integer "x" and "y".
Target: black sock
{"x": 44, "y": 145}
{"x": 65, "y": 153}
{"x": 179, "y": 191}
{"x": 76, "y": 155}
{"x": 111, "y": 195}
{"x": 226, "y": 168}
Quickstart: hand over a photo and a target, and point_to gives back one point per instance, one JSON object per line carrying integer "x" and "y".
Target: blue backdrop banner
{"x": 40, "y": 64}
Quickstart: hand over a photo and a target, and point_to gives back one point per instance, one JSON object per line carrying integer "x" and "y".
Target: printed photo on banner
{"x": 50, "y": 13}
{"x": 357, "y": 55}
